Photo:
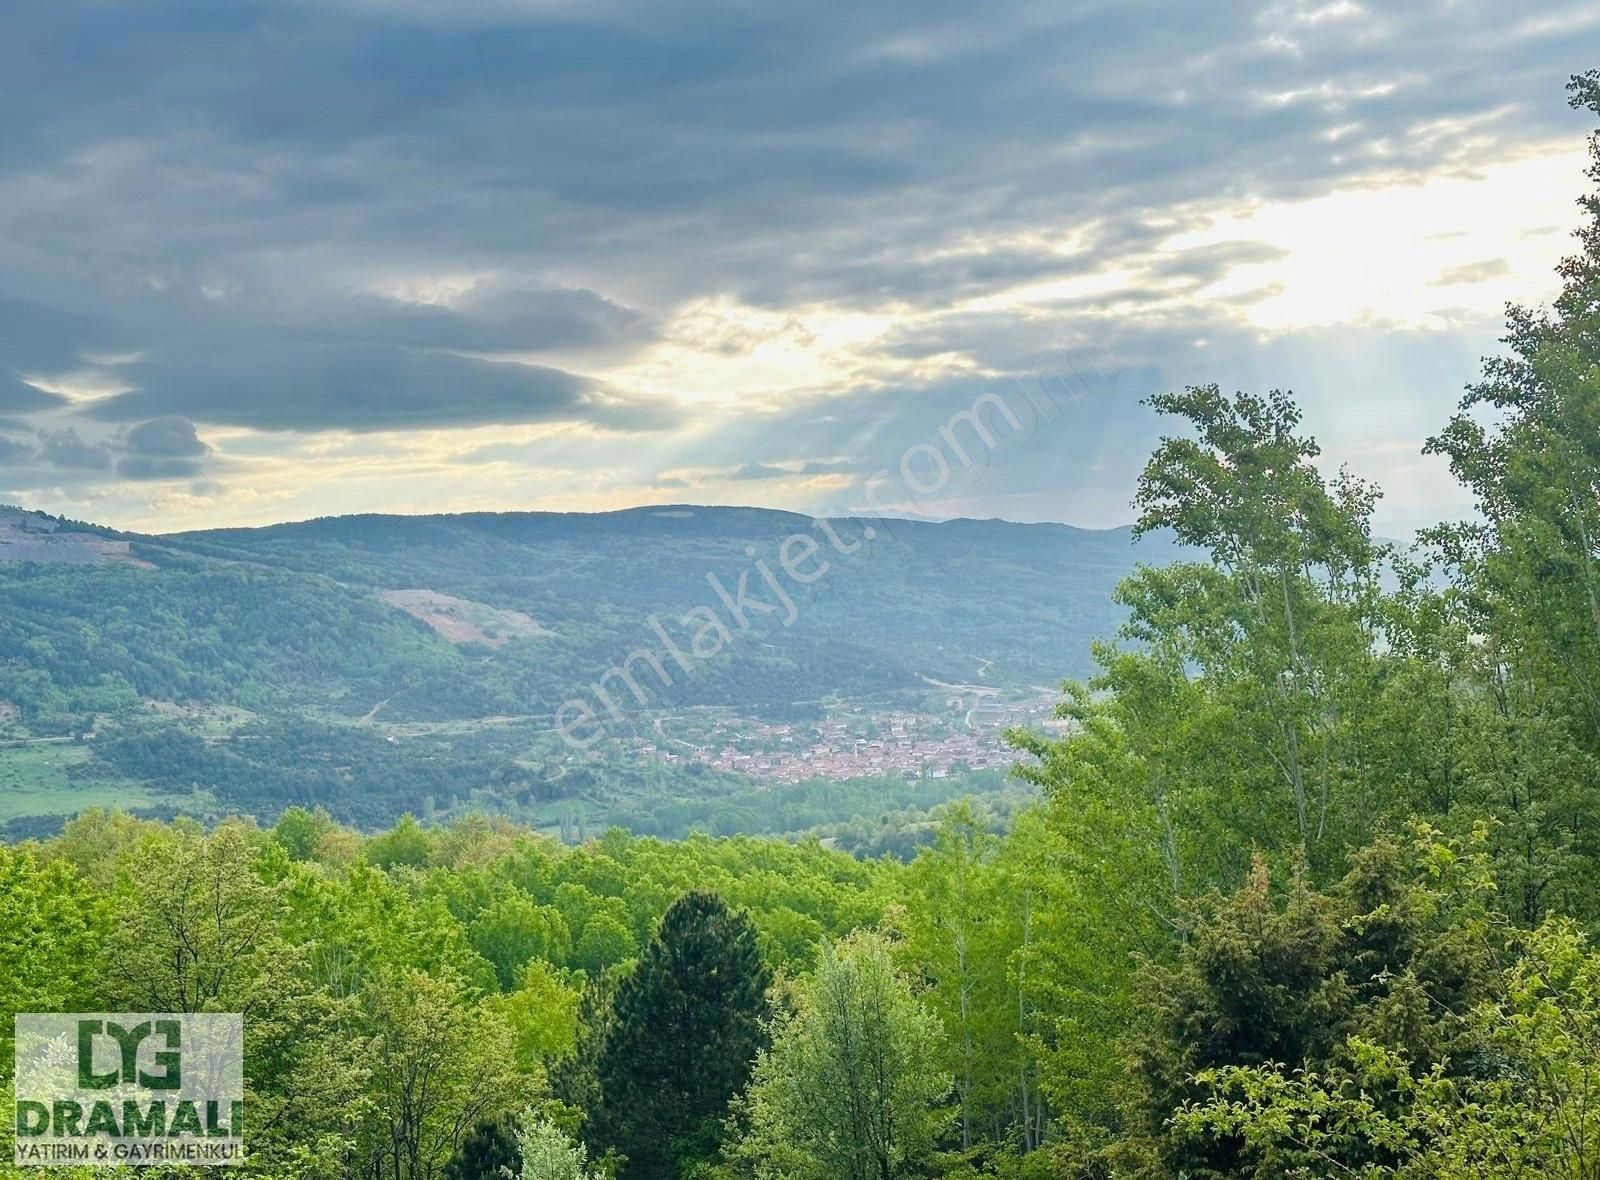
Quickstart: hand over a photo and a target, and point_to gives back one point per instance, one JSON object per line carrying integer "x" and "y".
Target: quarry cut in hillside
{"x": 31, "y": 536}
{"x": 461, "y": 621}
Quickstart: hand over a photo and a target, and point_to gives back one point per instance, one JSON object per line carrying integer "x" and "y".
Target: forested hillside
{"x": 378, "y": 665}
{"x": 1311, "y": 889}
{"x": 292, "y": 615}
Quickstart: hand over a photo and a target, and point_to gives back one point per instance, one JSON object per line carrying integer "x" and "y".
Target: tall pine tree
{"x": 486, "y": 1153}
{"x": 575, "y": 1079}
{"x": 688, "y": 1026}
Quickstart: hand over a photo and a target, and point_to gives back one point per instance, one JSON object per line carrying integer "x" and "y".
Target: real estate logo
{"x": 125, "y": 1088}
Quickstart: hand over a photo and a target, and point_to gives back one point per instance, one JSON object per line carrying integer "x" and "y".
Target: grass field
{"x": 34, "y": 781}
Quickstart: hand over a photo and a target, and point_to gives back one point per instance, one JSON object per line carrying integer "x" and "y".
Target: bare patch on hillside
{"x": 461, "y": 621}
{"x": 29, "y": 536}
{"x": 222, "y": 717}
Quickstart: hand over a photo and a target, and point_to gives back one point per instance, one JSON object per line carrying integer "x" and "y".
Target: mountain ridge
{"x": 254, "y": 665}
{"x": 633, "y": 510}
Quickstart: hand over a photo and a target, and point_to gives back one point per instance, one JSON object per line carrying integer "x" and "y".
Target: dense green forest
{"x": 288, "y": 619}
{"x": 246, "y": 671}
{"x": 1310, "y": 890}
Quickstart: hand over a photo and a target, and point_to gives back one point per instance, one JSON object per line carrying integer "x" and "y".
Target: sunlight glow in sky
{"x": 505, "y": 254}
{"x": 1422, "y": 255}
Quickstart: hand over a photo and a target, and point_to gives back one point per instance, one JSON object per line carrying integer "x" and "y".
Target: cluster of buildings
{"x": 910, "y": 744}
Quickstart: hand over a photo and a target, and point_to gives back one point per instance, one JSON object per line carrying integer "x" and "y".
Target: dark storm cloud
{"x": 164, "y": 438}
{"x": 312, "y": 385}
{"x": 220, "y": 193}
{"x": 512, "y": 320}
{"x": 163, "y": 448}
{"x": 36, "y": 336}
{"x": 167, "y": 448}
{"x": 67, "y": 450}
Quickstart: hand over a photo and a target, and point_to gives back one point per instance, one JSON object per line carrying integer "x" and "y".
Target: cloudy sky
{"x": 270, "y": 260}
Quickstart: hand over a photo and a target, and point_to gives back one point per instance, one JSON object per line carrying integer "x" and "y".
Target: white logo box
{"x": 129, "y": 1088}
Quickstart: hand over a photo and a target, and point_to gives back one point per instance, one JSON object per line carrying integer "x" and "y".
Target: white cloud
{"x": 1377, "y": 253}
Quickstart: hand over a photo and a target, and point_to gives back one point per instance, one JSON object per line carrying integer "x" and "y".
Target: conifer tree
{"x": 688, "y": 1028}
{"x": 575, "y": 1078}
{"x": 486, "y": 1153}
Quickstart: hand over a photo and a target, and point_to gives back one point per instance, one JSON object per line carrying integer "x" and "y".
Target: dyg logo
{"x": 120, "y": 1088}
{"x": 128, "y": 1041}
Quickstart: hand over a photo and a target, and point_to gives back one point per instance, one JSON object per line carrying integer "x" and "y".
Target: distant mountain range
{"x": 434, "y": 619}
{"x": 534, "y": 606}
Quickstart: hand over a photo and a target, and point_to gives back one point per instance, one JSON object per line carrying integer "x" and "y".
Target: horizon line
{"x": 653, "y": 507}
